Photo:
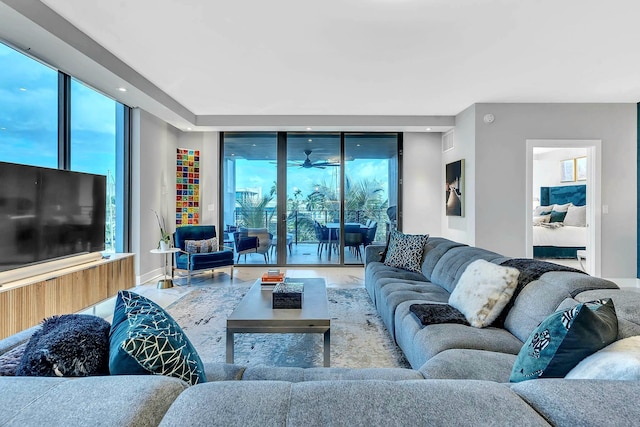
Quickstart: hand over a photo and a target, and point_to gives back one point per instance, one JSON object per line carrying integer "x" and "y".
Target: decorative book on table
{"x": 272, "y": 277}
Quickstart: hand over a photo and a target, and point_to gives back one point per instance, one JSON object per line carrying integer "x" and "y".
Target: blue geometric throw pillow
{"x": 405, "y": 250}
{"x": 144, "y": 339}
{"x": 564, "y": 338}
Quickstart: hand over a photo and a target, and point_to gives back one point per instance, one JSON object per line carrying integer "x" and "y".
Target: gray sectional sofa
{"x": 452, "y": 350}
{"x": 460, "y": 374}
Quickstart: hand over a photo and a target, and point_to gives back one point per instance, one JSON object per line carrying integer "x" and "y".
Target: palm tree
{"x": 254, "y": 212}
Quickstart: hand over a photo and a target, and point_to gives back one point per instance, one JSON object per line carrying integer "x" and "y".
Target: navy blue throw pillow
{"x": 70, "y": 345}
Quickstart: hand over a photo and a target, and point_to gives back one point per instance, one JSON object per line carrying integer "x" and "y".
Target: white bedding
{"x": 566, "y": 236}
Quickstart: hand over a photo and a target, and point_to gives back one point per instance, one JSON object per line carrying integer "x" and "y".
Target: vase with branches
{"x": 165, "y": 238}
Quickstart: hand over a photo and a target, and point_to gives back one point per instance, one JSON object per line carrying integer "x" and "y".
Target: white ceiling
{"x": 202, "y": 59}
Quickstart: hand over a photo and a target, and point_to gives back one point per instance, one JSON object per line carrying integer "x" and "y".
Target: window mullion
{"x": 64, "y": 121}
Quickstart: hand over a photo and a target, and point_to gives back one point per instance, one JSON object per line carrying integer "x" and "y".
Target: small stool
{"x": 582, "y": 256}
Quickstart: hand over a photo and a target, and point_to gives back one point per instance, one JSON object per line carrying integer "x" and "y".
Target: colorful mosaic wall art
{"x": 187, "y": 187}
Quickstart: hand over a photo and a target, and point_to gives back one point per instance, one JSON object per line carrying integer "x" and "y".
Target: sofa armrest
{"x": 372, "y": 253}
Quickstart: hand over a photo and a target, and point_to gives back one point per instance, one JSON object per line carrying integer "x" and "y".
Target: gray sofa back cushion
{"x": 582, "y": 402}
{"x": 627, "y": 304}
{"x": 351, "y": 403}
{"x": 452, "y": 264}
{"x": 542, "y": 297}
{"x": 119, "y": 400}
{"x": 433, "y": 251}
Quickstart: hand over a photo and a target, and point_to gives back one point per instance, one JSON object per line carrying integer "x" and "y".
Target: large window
{"x": 321, "y": 197}
{"x": 37, "y": 106}
{"x": 93, "y": 144}
{"x": 28, "y": 110}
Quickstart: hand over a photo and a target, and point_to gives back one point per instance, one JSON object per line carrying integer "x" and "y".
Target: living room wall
{"x": 153, "y": 143}
{"x": 422, "y": 198}
{"x": 500, "y": 176}
{"x": 154, "y": 161}
{"x": 462, "y": 229}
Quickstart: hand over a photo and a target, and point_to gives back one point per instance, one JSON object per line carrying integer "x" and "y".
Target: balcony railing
{"x": 300, "y": 222}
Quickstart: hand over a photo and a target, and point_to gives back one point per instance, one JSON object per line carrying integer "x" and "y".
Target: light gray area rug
{"x": 358, "y": 336}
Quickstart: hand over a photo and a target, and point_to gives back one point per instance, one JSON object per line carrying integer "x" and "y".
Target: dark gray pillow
{"x": 434, "y": 313}
{"x": 71, "y": 345}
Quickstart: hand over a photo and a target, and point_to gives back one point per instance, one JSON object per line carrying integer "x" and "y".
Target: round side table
{"x": 167, "y": 280}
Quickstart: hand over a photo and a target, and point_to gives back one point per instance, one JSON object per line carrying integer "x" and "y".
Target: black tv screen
{"x": 47, "y": 214}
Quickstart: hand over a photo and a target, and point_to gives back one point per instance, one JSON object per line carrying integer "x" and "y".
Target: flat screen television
{"x": 46, "y": 214}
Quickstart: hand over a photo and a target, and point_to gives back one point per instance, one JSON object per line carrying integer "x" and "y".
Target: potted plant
{"x": 165, "y": 239}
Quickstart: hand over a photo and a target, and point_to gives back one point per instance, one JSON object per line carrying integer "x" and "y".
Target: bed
{"x": 557, "y": 239}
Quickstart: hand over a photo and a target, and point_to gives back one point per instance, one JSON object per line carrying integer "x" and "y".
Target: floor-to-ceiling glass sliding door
{"x": 249, "y": 190}
{"x": 313, "y": 198}
{"x": 371, "y": 176}
{"x": 310, "y": 198}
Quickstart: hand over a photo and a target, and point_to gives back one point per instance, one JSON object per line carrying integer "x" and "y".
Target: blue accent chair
{"x": 190, "y": 262}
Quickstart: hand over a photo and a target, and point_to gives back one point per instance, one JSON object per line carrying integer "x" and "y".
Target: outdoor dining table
{"x": 334, "y": 227}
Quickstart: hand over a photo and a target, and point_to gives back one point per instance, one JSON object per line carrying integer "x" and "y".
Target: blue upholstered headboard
{"x": 576, "y": 194}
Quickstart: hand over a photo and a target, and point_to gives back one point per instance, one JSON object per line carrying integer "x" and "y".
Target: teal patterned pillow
{"x": 144, "y": 339}
{"x": 557, "y": 216}
{"x": 564, "y": 338}
{"x": 405, "y": 250}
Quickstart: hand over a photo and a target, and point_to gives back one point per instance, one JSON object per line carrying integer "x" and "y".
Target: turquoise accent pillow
{"x": 557, "y": 216}
{"x": 564, "y": 338}
{"x": 405, "y": 251}
{"x": 144, "y": 339}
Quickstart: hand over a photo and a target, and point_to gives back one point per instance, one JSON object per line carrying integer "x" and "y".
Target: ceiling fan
{"x": 309, "y": 164}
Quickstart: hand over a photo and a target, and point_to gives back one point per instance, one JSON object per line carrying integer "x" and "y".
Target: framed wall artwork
{"x": 187, "y": 187}
{"x": 567, "y": 170}
{"x": 581, "y": 169}
{"x": 454, "y": 188}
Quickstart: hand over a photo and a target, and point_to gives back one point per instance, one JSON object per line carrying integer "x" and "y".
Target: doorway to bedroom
{"x": 563, "y": 192}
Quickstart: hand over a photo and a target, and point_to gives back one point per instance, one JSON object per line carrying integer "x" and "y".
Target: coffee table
{"x": 255, "y": 315}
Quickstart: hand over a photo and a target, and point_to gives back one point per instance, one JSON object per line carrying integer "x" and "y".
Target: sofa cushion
{"x": 454, "y": 262}
{"x": 483, "y": 290}
{"x": 433, "y": 251}
{"x": 564, "y": 339}
{"x": 201, "y": 246}
{"x": 582, "y": 402}
{"x": 350, "y": 403}
{"x": 146, "y": 340}
{"x": 461, "y": 363}
{"x": 10, "y": 360}
{"x": 420, "y": 343}
{"x": 619, "y": 360}
{"x": 541, "y": 298}
{"x": 290, "y": 374}
{"x": 406, "y": 250}
{"x": 626, "y": 302}
{"x": 88, "y": 401}
{"x": 393, "y": 294}
{"x": 231, "y": 403}
{"x": 54, "y": 349}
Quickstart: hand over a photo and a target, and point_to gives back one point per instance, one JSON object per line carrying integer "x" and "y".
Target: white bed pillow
{"x": 619, "y": 360}
{"x": 561, "y": 208}
{"x": 576, "y": 216}
{"x": 483, "y": 290}
{"x": 542, "y": 209}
